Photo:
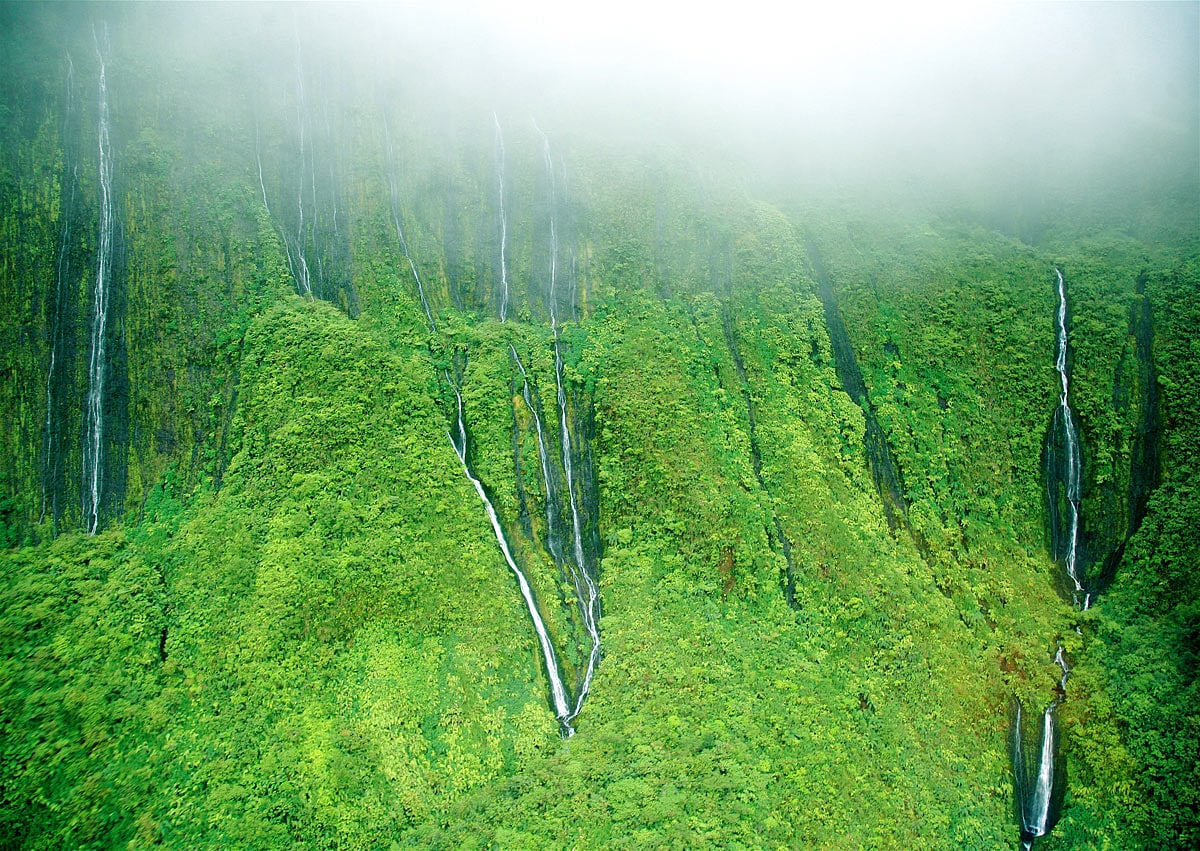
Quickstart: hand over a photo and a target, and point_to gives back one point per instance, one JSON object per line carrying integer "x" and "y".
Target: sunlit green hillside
{"x": 251, "y": 598}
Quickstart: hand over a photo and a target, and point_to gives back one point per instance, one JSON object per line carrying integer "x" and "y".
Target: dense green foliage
{"x": 297, "y": 630}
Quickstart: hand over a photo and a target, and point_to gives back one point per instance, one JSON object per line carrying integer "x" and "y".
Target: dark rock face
{"x": 1123, "y": 503}
{"x": 884, "y": 469}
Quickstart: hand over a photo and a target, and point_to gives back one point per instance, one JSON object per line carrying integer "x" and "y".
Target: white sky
{"x": 747, "y": 40}
{"x": 946, "y": 82}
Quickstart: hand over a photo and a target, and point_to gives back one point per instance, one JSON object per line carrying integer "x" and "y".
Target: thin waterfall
{"x": 503, "y": 219}
{"x": 1038, "y": 802}
{"x": 586, "y": 593}
{"x": 1039, "y": 784}
{"x": 1045, "y": 777}
{"x": 93, "y": 447}
{"x": 283, "y": 236}
{"x": 553, "y": 228}
{"x": 303, "y": 277}
{"x": 589, "y": 602}
{"x": 553, "y": 542}
{"x": 558, "y": 691}
{"x": 589, "y": 599}
{"x": 564, "y": 710}
{"x": 1036, "y": 790}
{"x": 305, "y": 211}
{"x": 1070, "y": 435}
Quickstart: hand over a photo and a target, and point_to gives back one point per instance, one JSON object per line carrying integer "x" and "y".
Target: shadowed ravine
{"x": 884, "y": 469}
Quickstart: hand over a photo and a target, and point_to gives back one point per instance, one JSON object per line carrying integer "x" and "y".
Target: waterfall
{"x": 293, "y": 250}
{"x": 553, "y": 227}
{"x": 1038, "y": 806}
{"x": 303, "y": 278}
{"x": 558, "y": 691}
{"x": 1065, "y": 419}
{"x": 503, "y": 220}
{"x": 93, "y": 446}
{"x": 305, "y": 215}
{"x": 564, "y": 710}
{"x": 589, "y": 607}
{"x": 587, "y": 593}
{"x": 1039, "y": 792}
{"x": 283, "y": 236}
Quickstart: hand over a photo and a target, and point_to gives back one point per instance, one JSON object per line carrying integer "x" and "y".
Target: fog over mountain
{"x": 622, "y": 425}
{"x": 1040, "y": 91}
{"x": 994, "y": 106}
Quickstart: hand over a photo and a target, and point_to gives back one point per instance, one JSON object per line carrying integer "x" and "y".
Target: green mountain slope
{"x": 295, "y": 627}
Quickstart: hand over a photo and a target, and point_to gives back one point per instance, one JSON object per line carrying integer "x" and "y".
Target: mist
{"x": 962, "y": 95}
{"x": 989, "y": 106}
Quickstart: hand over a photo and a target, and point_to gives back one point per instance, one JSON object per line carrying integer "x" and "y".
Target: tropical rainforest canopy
{"x": 515, "y": 428}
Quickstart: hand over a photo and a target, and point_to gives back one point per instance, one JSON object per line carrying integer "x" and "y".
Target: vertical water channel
{"x": 564, "y": 706}
{"x": 1039, "y": 780}
{"x": 587, "y": 594}
{"x": 93, "y": 443}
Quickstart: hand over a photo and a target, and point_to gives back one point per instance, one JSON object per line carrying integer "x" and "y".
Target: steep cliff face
{"x": 370, "y": 342}
{"x": 130, "y": 303}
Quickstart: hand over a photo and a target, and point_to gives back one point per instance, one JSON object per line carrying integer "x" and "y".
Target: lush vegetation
{"x": 296, "y": 628}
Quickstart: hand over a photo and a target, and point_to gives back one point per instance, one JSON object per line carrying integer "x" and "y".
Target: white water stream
{"x": 552, "y": 539}
{"x": 303, "y": 278}
{"x": 1035, "y": 812}
{"x": 587, "y": 593}
{"x": 93, "y": 462}
{"x": 1071, "y": 443}
{"x": 558, "y": 692}
{"x": 394, "y": 195}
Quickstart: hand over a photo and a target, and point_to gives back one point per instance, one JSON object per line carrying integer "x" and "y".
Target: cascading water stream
{"x": 553, "y": 229}
{"x": 503, "y": 220}
{"x": 552, "y": 538}
{"x": 93, "y": 445}
{"x": 1039, "y": 816}
{"x": 283, "y": 236}
{"x": 564, "y": 710}
{"x": 1036, "y": 807}
{"x": 303, "y": 277}
{"x": 586, "y": 593}
{"x": 558, "y": 691}
{"x": 1045, "y": 778}
{"x": 589, "y": 600}
{"x": 1070, "y": 434}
